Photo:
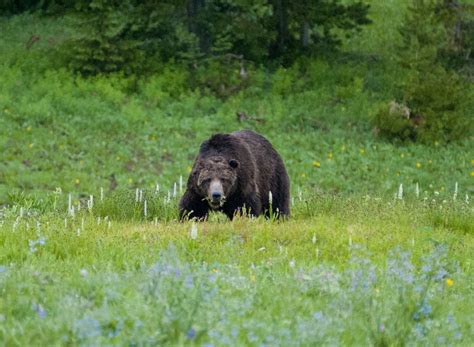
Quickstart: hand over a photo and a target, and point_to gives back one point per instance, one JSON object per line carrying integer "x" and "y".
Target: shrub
{"x": 433, "y": 100}
{"x": 434, "y": 108}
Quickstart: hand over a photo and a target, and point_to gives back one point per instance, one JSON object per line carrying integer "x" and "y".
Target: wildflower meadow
{"x": 378, "y": 250}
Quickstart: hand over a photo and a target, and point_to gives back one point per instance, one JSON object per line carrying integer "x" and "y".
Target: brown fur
{"x": 248, "y": 167}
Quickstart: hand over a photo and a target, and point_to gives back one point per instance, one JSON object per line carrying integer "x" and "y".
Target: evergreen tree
{"x": 433, "y": 101}
{"x": 125, "y": 35}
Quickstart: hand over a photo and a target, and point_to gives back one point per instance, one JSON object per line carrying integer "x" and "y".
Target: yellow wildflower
{"x": 30, "y": 145}
{"x": 398, "y": 173}
{"x": 449, "y": 281}
{"x": 77, "y": 181}
{"x": 472, "y": 161}
{"x": 362, "y": 151}
{"x": 189, "y": 168}
{"x": 28, "y": 129}
{"x": 316, "y": 163}
{"x": 215, "y": 270}
{"x": 418, "y": 165}
{"x": 472, "y": 173}
{"x": 130, "y": 181}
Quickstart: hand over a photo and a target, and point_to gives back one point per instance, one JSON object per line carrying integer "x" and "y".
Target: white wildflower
{"x": 400, "y": 192}
{"x": 194, "y": 232}
{"x": 90, "y": 203}
{"x": 69, "y": 203}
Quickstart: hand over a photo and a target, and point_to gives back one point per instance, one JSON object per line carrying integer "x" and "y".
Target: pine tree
{"x": 434, "y": 98}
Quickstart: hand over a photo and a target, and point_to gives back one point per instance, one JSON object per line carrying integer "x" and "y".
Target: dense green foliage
{"x": 458, "y": 22}
{"x": 132, "y": 35}
{"x": 434, "y": 101}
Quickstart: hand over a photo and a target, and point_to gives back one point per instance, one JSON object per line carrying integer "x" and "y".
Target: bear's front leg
{"x": 249, "y": 206}
{"x": 253, "y": 205}
{"x": 191, "y": 206}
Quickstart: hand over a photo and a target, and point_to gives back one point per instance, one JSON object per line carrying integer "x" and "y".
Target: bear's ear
{"x": 234, "y": 163}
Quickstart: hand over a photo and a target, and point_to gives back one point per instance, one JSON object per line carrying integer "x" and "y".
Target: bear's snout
{"x": 216, "y": 194}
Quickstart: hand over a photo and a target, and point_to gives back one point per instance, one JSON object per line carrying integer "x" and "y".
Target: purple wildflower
{"x": 40, "y": 310}
{"x": 191, "y": 334}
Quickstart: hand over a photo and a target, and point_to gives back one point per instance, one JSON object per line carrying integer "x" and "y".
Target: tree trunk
{"x": 281, "y": 14}
{"x": 455, "y": 10}
{"x": 305, "y": 35}
{"x": 193, "y": 9}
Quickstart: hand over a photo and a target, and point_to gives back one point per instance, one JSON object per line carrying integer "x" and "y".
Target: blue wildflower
{"x": 188, "y": 283}
{"x": 424, "y": 311}
{"x": 87, "y": 328}
{"x": 40, "y": 310}
{"x": 33, "y": 243}
{"x": 191, "y": 334}
{"x": 318, "y": 316}
{"x": 442, "y": 273}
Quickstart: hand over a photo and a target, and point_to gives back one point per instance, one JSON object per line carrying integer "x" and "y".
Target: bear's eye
{"x": 233, "y": 163}
{"x": 205, "y": 181}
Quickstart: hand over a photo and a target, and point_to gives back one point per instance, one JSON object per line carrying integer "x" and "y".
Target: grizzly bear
{"x": 237, "y": 173}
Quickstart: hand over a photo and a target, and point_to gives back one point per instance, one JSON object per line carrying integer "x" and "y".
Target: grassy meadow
{"x": 378, "y": 251}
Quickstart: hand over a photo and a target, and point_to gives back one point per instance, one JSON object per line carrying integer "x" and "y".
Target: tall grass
{"x": 354, "y": 271}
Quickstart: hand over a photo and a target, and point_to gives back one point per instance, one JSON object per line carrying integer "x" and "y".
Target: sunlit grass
{"x": 391, "y": 267}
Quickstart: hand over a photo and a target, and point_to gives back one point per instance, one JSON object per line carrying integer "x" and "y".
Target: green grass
{"x": 355, "y": 264}
{"x": 350, "y": 271}
{"x": 60, "y": 130}
{"x": 342, "y": 270}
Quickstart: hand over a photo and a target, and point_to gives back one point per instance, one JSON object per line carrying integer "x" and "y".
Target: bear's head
{"x": 216, "y": 179}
